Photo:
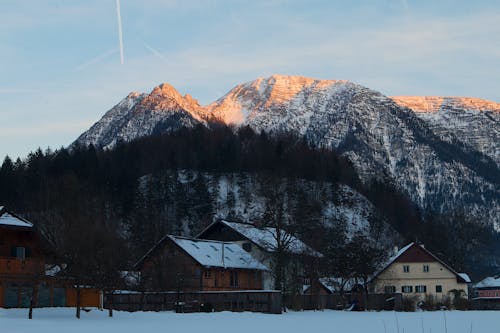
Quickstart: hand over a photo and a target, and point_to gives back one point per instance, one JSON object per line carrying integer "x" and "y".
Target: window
{"x": 208, "y": 274}
{"x": 18, "y": 252}
{"x": 390, "y": 289}
{"x": 426, "y": 268}
{"x": 439, "y": 289}
{"x": 406, "y": 268}
{"x": 233, "y": 279}
{"x": 420, "y": 289}
{"x": 407, "y": 289}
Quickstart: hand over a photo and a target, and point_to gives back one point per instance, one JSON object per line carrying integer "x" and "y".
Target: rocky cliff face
{"x": 473, "y": 121}
{"x": 442, "y": 164}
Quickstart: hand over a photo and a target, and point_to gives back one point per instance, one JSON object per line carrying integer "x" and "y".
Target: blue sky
{"x": 60, "y": 67}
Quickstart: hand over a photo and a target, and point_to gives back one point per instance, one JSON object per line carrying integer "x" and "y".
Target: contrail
{"x": 155, "y": 51}
{"x": 120, "y": 34}
{"x": 95, "y": 59}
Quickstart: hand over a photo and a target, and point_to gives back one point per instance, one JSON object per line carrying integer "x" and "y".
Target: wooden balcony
{"x": 10, "y": 266}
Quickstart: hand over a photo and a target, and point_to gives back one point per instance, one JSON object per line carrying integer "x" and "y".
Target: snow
{"x": 489, "y": 282}
{"x": 11, "y": 220}
{"x": 336, "y": 284}
{"x": 466, "y": 277}
{"x": 218, "y": 254}
{"x": 266, "y": 238}
{"x": 57, "y": 320}
{"x": 392, "y": 259}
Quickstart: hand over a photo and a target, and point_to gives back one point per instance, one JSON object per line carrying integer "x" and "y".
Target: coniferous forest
{"x": 126, "y": 199}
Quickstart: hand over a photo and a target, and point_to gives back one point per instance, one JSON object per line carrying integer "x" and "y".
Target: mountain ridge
{"x": 384, "y": 137}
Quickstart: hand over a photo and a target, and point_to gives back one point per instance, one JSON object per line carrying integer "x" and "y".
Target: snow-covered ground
{"x": 62, "y": 320}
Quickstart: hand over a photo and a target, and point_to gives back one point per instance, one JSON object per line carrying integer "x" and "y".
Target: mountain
{"x": 441, "y": 164}
{"x": 138, "y": 115}
{"x": 473, "y": 121}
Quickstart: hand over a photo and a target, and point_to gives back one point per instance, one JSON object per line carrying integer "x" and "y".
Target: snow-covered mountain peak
{"x": 134, "y": 94}
{"x": 248, "y": 100}
{"x": 437, "y": 103}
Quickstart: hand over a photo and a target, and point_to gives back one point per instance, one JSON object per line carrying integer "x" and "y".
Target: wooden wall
{"x": 171, "y": 269}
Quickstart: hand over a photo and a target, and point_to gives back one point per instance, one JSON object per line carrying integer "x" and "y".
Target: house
{"x": 22, "y": 259}
{"x": 262, "y": 244}
{"x": 333, "y": 285}
{"x": 415, "y": 272}
{"x": 24, "y": 271}
{"x": 188, "y": 264}
{"x": 487, "y": 293}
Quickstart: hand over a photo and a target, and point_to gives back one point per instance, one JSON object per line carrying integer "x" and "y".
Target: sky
{"x": 60, "y": 67}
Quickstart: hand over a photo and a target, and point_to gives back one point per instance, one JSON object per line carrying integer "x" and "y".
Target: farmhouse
{"x": 415, "y": 272}
{"x": 487, "y": 293}
{"x": 189, "y": 264}
{"x": 262, "y": 244}
{"x": 22, "y": 259}
{"x": 24, "y": 272}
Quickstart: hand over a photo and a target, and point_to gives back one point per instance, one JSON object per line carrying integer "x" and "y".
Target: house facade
{"x": 189, "y": 264}
{"x": 22, "y": 260}
{"x": 262, "y": 244}
{"x": 416, "y": 272}
{"x": 25, "y": 274}
{"x": 487, "y": 293}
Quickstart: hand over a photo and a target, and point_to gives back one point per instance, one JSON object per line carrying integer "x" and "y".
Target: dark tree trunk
{"x": 33, "y": 300}
{"x": 78, "y": 301}
{"x": 110, "y": 304}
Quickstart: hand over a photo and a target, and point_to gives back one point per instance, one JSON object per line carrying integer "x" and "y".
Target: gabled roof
{"x": 461, "y": 277}
{"x": 489, "y": 282}
{"x": 10, "y": 219}
{"x": 210, "y": 253}
{"x": 265, "y": 238}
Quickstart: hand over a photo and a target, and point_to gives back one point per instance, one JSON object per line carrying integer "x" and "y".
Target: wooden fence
{"x": 377, "y": 302}
{"x": 255, "y": 301}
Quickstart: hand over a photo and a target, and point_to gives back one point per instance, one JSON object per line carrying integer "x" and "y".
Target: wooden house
{"x": 262, "y": 243}
{"x": 415, "y": 272}
{"x": 24, "y": 273}
{"x": 189, "y": 264}
{"x": 22, "y": 259}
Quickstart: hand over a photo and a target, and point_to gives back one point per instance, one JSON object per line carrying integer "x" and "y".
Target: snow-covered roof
{"x": 335, "y": 284}
{"x": 131, "y": 278}
{"x": 391, "y": 260}
{"x": 9, "y": 219}
{"x": 266, "y": 238}
{"x": 53, "y": 269}
{"x": 489, "y": 282}
{"x": 465, "y": 277}
{"x": 211, "y": 253}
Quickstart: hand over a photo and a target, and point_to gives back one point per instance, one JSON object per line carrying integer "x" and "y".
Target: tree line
{"x": 92, "y": 203}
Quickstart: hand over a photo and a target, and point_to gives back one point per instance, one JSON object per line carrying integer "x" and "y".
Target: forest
{"x": 92, "y": 204}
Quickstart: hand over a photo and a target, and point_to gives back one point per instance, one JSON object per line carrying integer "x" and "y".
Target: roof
{"x": 10, "y": 219}
{"x": 336, "y": 284}
{"x": 265, "y": 238}
{"x": 489, "y": 282}
{"x": 463, "y": 277}
{"x": 211, "y": 253}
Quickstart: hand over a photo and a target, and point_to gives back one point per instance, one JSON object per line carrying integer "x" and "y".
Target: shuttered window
{"x": 420, "y": 289}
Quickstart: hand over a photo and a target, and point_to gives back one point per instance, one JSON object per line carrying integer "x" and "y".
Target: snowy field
{"x": 63, "y": 320}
